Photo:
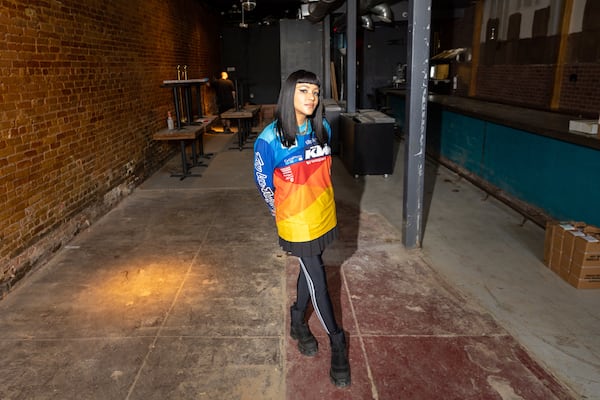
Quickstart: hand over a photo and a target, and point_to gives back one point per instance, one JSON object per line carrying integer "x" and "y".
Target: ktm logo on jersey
{"x": 316, "y": 151}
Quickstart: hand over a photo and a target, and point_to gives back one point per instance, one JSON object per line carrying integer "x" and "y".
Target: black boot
{"x": 340, "y": 369}
{"x": 307, "y": 344}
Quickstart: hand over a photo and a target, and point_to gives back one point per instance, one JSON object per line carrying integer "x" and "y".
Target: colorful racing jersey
{"x": 295, "y": 183}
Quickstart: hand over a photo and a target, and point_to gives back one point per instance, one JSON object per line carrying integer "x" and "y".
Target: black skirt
{"x": 311, "y": 248}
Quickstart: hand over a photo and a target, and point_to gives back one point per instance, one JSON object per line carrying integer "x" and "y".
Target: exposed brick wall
{"x": 531, "y": 85}
{"x": 520, "y": 70}
{"x": 80, "y": 98}
{"x": 524, "y": 85}
{"x": 580, "y": 89}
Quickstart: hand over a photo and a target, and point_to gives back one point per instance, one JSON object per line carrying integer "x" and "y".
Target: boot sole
{"x": 340, "y": 383}
{"x": 309, "y": 352}
{"x": 306, "y": 351}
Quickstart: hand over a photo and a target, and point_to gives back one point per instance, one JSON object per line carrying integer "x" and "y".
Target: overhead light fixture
{"x": 248, "y": 5}
{"x": 243, "y": 24}
{"x": 366, "y": 22}
{"x": 383, "y": 12}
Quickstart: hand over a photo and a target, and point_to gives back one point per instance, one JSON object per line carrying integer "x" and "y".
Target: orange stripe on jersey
{"x": 295, "y": 229}
{"x": 293, "y": 197}
{"x": 304, "y": 208}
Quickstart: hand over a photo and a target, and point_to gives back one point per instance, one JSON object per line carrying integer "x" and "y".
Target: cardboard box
{"x": 586, "y": 251}
{"x": 556, "y": 242}
{"x": 580, "y": 259}
{"x": 567, "y": 251}
{"x": 550, "y": 226}
{"x": 589, "y": 126}
{"x": 572, "y": 250}
{"x": 585, "y": 272}
{"x": 564, "y": 274}
{"x": 591, "y": 229}
{"x": 590, "y": 283}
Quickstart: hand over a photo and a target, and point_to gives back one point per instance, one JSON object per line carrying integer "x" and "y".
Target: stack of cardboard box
{"x": 572, "y": 250}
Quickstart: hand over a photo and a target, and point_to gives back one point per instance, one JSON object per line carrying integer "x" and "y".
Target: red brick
{"x": 81, "y": 90}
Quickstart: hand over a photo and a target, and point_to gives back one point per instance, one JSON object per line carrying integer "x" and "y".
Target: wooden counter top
{"x": 187, "y": 132}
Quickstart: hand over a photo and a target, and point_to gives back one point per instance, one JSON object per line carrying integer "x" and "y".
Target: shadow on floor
{"x": 181, "y": 292}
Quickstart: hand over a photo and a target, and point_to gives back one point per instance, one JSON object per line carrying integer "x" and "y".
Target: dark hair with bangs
{"x": 285, "y": 114}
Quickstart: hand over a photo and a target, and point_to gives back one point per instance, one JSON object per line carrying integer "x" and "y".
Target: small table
{"x": 188, "y": 133}
{"x": 244, "y": 117}
{"x": 183, "y": 87}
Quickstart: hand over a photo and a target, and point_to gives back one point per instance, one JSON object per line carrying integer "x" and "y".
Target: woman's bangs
{"x": 309, "y": 80}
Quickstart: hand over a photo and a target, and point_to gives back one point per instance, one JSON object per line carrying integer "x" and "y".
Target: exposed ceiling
{"x": 265, "y": 10}
{"x": 268, "y": 11}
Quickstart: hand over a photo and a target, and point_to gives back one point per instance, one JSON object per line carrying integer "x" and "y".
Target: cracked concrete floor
{"x": 181, "y": 292}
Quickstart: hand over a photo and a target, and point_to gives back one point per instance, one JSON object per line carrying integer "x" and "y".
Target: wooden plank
{"x": 232, "y": 114}
{"x": 249, "y": 111}
{"x": 334, "y": 89}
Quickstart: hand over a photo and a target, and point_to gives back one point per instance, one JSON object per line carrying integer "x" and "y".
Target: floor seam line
{"x": 283, "y": 337}
{"x": 374, "y": 393}
{"x": 167, "y": 314}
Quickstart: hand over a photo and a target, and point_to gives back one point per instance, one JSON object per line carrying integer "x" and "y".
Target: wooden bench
{"x": 188, "y": 133}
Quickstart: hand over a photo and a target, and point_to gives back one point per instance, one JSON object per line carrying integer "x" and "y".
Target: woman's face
{"x": 306, "y": 99}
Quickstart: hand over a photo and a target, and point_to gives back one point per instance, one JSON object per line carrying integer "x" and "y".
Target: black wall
{"x": 254, "y": 52}
{"x": 381, "y": 51}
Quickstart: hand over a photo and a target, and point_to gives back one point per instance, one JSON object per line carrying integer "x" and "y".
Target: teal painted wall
{"x": 560, "y": 178}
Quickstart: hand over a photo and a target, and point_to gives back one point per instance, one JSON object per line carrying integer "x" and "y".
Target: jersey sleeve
{"x": 264, "y": 166}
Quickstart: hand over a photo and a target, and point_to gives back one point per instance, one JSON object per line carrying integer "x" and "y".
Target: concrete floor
{"x": 181, "y": 292}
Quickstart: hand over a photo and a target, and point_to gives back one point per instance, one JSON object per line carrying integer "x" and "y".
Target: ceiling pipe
{"x": 364, "y": 6}
{"x": 383, "y": 12}
{"x": 366, "y": 22}
{"x": 376, "y": 10}
{"x": 318, "y": 10}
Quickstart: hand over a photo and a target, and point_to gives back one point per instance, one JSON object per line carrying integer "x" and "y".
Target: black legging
{"x": 312, "y": 285}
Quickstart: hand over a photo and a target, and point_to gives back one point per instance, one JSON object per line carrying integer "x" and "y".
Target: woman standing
{"x": 292, "y": 169}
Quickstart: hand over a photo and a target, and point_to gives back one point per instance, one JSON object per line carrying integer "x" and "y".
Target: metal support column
{"x": 416, "y": 120}
{"x": 351, "y": 23}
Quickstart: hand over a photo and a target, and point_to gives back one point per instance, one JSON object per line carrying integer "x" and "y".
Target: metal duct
{"x": 377, "y": 10}
{"x": 382, "y": 12}
{"x": 319, "y": 10}
{"x": 365, "y": 5}
{"x": 366, "y": 22}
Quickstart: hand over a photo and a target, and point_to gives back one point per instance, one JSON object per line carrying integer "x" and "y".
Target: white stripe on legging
{"x": 311, "y": 289}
